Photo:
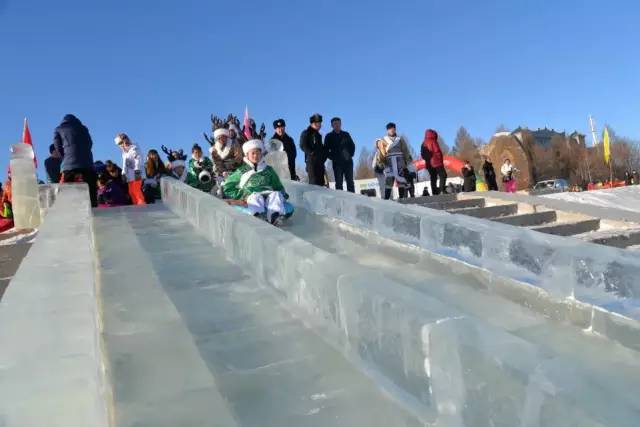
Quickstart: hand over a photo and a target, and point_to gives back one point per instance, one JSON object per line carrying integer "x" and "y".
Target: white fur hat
{"x": 252, "y": 144}
{"x": 220, "y": 132}
{"x": 178, "y": 163}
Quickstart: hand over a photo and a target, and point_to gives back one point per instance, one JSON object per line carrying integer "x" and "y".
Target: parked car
{"x": 548, "y": 186}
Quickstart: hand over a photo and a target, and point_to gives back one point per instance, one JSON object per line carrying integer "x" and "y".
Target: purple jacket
{"x": 112, "y": 194}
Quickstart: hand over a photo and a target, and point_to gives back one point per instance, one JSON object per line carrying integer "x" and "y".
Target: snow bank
{"x": 627, "y": 198}
{"x": 566, "y": 268}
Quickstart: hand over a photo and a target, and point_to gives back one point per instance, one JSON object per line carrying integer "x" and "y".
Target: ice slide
{"x": 210, "y": 317}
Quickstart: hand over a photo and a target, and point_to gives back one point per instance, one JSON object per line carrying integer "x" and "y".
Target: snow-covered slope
{"x": 627, "y": 198}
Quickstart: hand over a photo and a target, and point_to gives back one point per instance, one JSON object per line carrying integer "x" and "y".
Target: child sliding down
{"x": 257, "y": 184}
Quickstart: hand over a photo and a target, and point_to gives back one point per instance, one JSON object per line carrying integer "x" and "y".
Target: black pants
{"x": 315, "y": 171}
{"x": 492, "y": 185}
{"x": 441, "y": 175}
{"x": 344, "y": 171}
{"x": 88, "y": 176}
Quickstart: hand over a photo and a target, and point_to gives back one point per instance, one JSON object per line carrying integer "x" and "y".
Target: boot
{"x": 402, "y": 193}
{"x": 387, "y": 193}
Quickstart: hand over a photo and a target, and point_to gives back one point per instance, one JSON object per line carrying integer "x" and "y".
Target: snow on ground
{"x": 12, "y": 238}
{"x": 626, "y": 198}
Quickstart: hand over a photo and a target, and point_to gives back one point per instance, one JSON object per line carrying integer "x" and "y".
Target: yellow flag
{"x": 606, "y": 146}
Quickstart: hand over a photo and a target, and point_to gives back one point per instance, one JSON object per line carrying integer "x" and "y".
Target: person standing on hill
{"x": 73, "y": 142}
{"x": 469, "y": 176}
{"x": 131, "y": 158}
{"x": 314, "y": 150}
{"x": 289, "y": 146}
{"x": 434, "y": 161}
{"x": 489, "y": 174}
{"x": 340, "y": 149}
{"x": 393, "y": 156}
{"x": 52, "y": 165}
{"x": 508, "y": 179}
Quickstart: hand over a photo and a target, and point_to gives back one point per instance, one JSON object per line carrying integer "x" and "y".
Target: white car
{"x": 551, "y": 186}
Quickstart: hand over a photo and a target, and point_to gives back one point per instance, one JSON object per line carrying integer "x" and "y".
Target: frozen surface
{"x": 627, "y": 198}
{"x": 193, "y": 339}
{"x": 439, "y": 344}
{"x": 51, "y": 371}
{"x": 566, "y": 268}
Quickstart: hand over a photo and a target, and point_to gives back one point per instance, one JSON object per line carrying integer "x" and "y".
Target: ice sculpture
{"x": 24, "y": 185}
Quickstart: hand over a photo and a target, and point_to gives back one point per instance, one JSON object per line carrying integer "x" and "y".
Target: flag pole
{"x": 610, "y": 171}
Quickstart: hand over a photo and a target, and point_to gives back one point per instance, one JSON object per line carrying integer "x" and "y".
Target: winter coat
{"x": 339, "y": 146}
{"x": 53, "y": 165}
{"x": 380, "y": 159}
{"x": 112, "y": 194}
{"x": 290, "y": 148}
{"x": 507, "y": 172}
{"x": 73, "y": 141}
{"x": 430, "y": 150}
{"x": 193, "y": 174}
{"x": 131, "y": 162}
{"x": 311, "y": 144}
{"x": 488, "y": 171}
{"x": 5, "y": 203}
{"x": 249, "y": 179}
{"x": 469, "y": 176}
{"x": 227, "y": 158}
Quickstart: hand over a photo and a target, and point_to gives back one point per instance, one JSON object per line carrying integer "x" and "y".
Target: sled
{"x": 6, "y": 224}
{"x": 242, "y": 207}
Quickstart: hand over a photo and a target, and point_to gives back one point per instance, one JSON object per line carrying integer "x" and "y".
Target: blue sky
{"x": 157, "y": 69}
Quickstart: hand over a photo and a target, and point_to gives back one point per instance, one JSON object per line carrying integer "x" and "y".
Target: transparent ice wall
{"x": 51, "y": 364}
{"x": 449, "y": 368}
{"x": 566, "y": 268}
{"x": 24, "y": 188}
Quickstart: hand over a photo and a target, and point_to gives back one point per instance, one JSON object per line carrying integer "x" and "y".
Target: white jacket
{"x": 507, "y": 169}
{"x": 131, "y": 162}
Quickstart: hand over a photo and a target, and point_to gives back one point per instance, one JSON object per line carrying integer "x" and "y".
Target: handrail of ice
{"x": 51, "y": 363}
{"x": 601, "y": 276}
{"x": 427, "y": 355}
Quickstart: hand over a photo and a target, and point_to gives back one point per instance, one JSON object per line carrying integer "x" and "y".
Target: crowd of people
{"x": 235, "y": 169}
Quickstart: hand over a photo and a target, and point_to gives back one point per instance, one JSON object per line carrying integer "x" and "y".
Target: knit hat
{"x": 279, "y": 123}
{"x": 316, "y": 118}
{"x": 391, "y": 125}
{"x": 220, "y": 132}
{"x": 251, "y": 145}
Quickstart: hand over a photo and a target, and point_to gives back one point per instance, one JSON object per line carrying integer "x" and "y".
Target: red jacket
{"x": 430, "y": 150}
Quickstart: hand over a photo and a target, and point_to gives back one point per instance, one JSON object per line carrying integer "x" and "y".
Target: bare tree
{"x": 364, "y": 168}
{"x": 465, "y": 148}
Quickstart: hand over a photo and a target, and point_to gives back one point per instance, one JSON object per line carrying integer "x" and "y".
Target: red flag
{"x": 247, "y": 125}
{"x": 26, "y": 139}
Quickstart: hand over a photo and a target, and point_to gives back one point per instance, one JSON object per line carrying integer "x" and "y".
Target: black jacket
{"x": 489, "y": 172}
{"x": 311, "y": 144}
{"x": 73, "y": 142}
{"x": 339, "y": 146}
{"x": 469, "y": 176}
{"x": 52, "y": 166}
{"x": 290, "y": 148}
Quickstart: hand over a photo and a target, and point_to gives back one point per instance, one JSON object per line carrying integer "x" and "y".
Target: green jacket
{"x": 246, "y": 180}
{"x": 194, "y": 171}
